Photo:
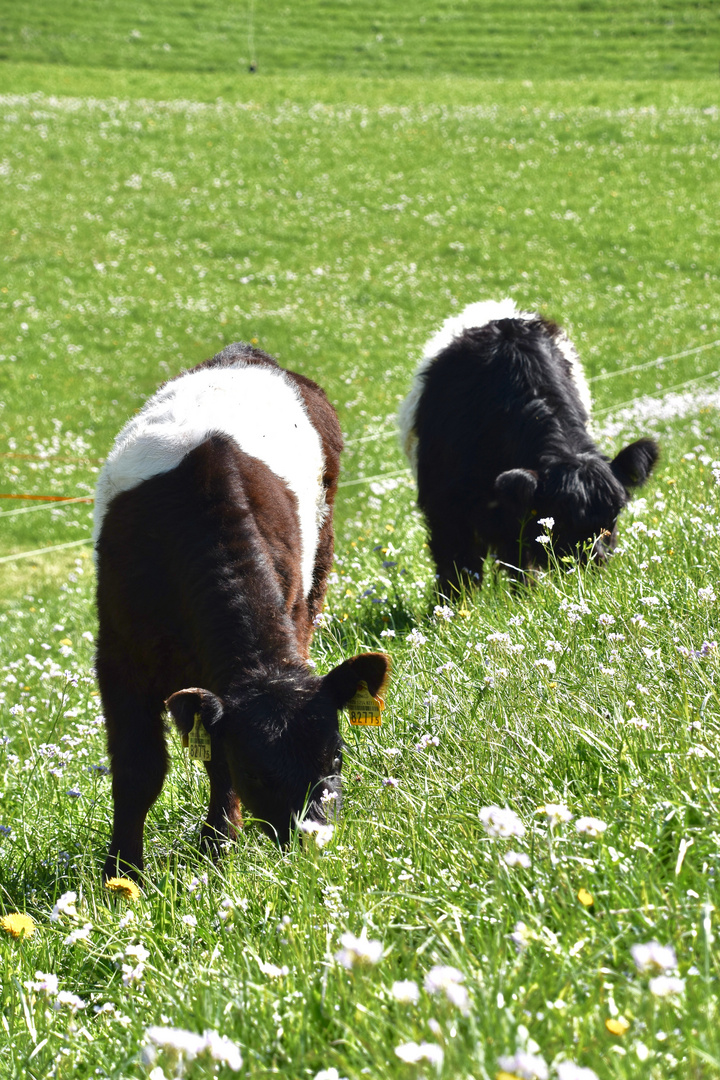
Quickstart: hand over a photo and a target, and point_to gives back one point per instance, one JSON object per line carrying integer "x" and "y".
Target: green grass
{"x": 533, "y": 39}
{"x": 152, "y": 211}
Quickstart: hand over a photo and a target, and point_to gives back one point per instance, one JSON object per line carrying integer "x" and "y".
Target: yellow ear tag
{"x": 364, "y": 709}
{"x": 198, "y": 741}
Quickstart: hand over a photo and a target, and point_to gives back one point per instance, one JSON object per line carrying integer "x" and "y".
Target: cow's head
{"x": 280, "y": 738}
{"x": 583, "y": 496}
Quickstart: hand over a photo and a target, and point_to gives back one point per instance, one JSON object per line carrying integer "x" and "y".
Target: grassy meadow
{"x": 157, "y": 204}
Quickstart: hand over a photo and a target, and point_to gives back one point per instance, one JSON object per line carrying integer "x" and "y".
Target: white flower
{"x": 65, "y": 906}
{"x": 189, "y": 920}
{"x": 391, "y": 782}
{"x": 664, "y": 986}
{"x": 358, "y": 950}
{"x": 546, "y": 523}
{"x": 413, "y": 1052}
{"x": 323, "y": 833}
{"x": 137, "y": 952}
{"x": 522, "y": 935}
{"x": 156, "y": 1074}
{"x": 590, "y": 826}
{"x": 328, "y": 797}
{"x": 427, "y": 740}
{"x": 652, "y": 956}
{"x": 219, "y": 1047}
{"x": 406, "y": 991}
{"x": 65, "y": 1000}
{"x": 81, "y": 934}
{"x": 177, "y": 1039}
{"x": 543, "y": 539}
{"x": 568, "y": 1070}
{"x": 272, "y": 970}
{"x": 329, "y": 1074}
{"x": 707, "y": 595}
{"x": 525, "y": 1065}
{"x": 223, "y": 1049}
{"x": 127, "y": 918}
{"x": 45, "y": 983}
{"x": 516, "y": 858}
{"x": 549, "y": 665}
{"x": 605, "y": 619}
{"x": 443, "y": 979}
{"x": 383, "y": 633}
{"x": 132, "y": 974}
{"x": 416, "y": 638}
{"x": 556, "y": 813}
{"x": 501, "y": 821}
{"x": 443, "y": 612}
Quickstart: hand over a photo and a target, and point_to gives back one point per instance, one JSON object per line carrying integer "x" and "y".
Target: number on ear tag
{"x": 198, "y": 741}
{"x": 365, "y": 710}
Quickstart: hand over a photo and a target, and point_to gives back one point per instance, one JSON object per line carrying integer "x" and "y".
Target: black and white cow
{"x": 496, "y": 429}
{"x": 214, "y": 538}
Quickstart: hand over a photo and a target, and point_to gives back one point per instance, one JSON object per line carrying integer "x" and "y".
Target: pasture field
{"x": 661, "y": 39}
{"x": 147, "y": 218}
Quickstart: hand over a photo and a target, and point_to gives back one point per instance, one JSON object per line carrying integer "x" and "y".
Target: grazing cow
{"x": 214, "y": 538}
{"x": 496, "y": 430}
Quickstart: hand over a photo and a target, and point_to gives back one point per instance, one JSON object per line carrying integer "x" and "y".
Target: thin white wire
{"x": 653, "y": 363}
{"x": 45, "y": 550}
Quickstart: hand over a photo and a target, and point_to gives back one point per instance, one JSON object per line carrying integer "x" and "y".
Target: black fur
{"x": 503, "y": 441}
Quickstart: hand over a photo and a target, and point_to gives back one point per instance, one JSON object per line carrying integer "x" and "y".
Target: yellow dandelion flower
{"x": 124, "y": 887}
{"x": 18, "y": 925}
{"x": 585, "y": 898}
{"x": 617, "y": 1025}
{"x": 506, "y": 1076}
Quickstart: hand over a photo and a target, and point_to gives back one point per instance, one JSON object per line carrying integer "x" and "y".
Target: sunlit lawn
{"x": 338, "y": 224}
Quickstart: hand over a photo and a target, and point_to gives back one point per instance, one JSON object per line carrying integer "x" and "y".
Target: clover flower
{"x": 272, "y": 970}
{"x": 590, "y": 826}
{"x": 44, "y": 983}
{"x": 665, "y": 986}
{"x": 652, "y": 956}
{"x": 516, "y": 858}
{"x": 18, "y": 925}
{"x": 427, "y": 740}
{"x": 444, "y": 979}
{"x": 65, "y": 906}
{"x": 524, "y": 1065}
{"x": 358, "y": 951}
{"x": 556, "y": 813}
{"x": 65, "y": 1000}
{"x": 411, "y": 1053}
{"x": 80, "y": 934}
{"x": 500, "y": 821}
{"x": 180, "y": 1041}
{"x": 568, "y": 1070}
{"x": 405, "y": 991}
{"x": 323, "y": 833}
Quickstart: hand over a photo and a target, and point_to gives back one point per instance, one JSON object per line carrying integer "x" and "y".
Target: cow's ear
{"x": 186, "y": 704}
{"x": 342, "y": 682}
{"x": 516, "y": 489}
{"x": 633, "y": 465}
